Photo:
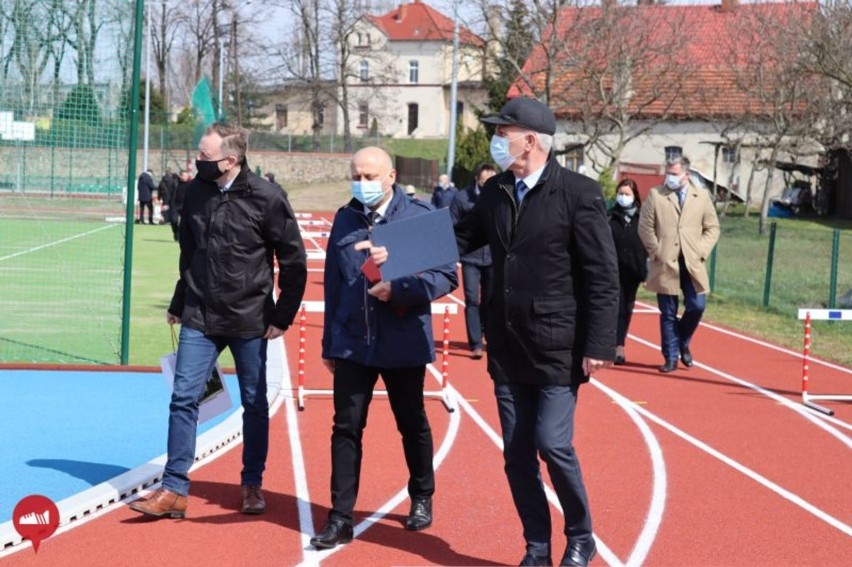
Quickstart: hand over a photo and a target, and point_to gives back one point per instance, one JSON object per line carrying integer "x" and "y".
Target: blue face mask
{"x": 673, "y": 181}
{"x": 368, "y": 192}
{"x": 625, "y": 201}
{"x": 500, "y": 151}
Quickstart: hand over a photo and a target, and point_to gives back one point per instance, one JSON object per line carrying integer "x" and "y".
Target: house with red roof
{"x": 401, "y": 70}
{"x": 635, "y": 84}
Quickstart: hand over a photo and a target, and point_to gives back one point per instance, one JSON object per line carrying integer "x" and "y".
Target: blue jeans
{"x": 675, "y": 334}
{"x": 477, "y": 287}
{"x": 540, "y": 419}
{"x": 196, "y": 358}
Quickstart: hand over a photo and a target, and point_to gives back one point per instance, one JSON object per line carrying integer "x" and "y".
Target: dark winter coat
{"x": 462, "y": 204}
{"x": 360, "y": 328}
{"x": 443, "y": 198}
{"x": 145, "y": 187}
{"x": 228, "y": 241}
{"x": 555, "y": 297}
{"x": 632, "y": 257}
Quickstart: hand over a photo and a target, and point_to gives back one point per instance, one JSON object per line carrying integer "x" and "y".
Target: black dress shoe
{"x": 686, "y": 356}
{"x": 619, "y": 360}
{"x": 334, "y": 532}
{"x": 533, "y": 559}
{"x": 420, "y": 516}
{"x": 579, "y": 553}
{"x": 669, "y": 366}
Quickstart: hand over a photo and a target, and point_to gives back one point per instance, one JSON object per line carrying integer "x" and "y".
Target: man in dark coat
{"x": 551, "y": 318}
{"x": 165, "y": 190}
{"x": 476, "y": 265}
{"x": 145, "y": 188}
{"x": 443, "y": 193}
{"x": 176, "y": 199}
{"x": 377, "y": 328}
{"x": 235, "y": 223}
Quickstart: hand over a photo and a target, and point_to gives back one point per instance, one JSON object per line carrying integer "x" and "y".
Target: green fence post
{"x": 132, "y": 135}
{"x": 713, "y": 269}
{"x": 769, "y": 259}
{"x": 835, "y": 257}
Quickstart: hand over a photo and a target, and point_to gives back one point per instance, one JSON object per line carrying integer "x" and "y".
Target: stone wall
{"x": 68, "y": 164}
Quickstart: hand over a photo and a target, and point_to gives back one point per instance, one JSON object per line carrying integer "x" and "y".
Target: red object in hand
{"x": 371, "y": 271}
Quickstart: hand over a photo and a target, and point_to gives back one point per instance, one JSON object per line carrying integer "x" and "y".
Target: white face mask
{"x": 625, "y": 201}
{"x": 500, "y": 151}
{"x": 673, "y": 181}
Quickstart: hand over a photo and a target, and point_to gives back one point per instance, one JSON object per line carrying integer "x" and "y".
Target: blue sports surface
{"x": 63, "y": 432}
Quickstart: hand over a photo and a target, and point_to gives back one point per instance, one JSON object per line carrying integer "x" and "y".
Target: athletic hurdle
{"x": 442, "y": 394}
{"x": 809, "y": 315}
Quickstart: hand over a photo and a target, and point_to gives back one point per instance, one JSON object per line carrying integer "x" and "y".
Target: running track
{"x": 716, "y": 465}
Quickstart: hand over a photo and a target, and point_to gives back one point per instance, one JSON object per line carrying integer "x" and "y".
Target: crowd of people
{"x": 550, "y": 279}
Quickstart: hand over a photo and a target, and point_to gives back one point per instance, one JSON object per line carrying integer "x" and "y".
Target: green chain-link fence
{"x": 66, "y": 69}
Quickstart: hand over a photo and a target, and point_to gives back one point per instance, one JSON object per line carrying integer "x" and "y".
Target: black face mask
{"x": 209, "y": 170}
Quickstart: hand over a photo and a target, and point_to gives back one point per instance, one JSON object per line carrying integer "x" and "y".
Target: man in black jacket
{"x": 145, "y": 189}
{"x": 551, "y": 318}
{"x": 234, "y": 223}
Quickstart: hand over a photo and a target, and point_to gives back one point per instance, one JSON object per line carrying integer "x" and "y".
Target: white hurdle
{"x": 809, "y": 315}
{"x": 319, "y": 307}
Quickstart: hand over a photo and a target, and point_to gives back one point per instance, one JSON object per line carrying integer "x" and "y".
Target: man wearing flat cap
{"x": 551, "y": 319}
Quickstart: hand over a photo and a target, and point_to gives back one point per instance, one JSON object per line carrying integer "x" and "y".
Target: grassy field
{"x": 73, "y": 288}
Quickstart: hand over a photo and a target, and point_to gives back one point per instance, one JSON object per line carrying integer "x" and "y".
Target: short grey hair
{"x": 682, "y": 161}
{"x": 545, "y": 141}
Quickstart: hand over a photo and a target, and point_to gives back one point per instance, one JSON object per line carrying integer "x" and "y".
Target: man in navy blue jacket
{"x": 374, "y": 329}
{"x": 476, "y": 265}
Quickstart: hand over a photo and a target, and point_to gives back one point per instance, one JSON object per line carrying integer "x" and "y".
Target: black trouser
{"x": 353, "y": 391}
{"x": 146, "y": 205}
{"x": 626, "y": 300}
{"x": 174, "y": 220}
{"x": 477, "y": 287}
{"x": 540, "y": 419}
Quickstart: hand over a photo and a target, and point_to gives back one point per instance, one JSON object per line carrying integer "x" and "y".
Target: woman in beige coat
{"x": 678, "y": 227}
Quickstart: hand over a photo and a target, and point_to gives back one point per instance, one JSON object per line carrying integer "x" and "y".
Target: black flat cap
{"x": 525, "y": 113}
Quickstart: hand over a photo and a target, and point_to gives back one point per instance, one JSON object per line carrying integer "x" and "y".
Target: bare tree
{"x": 765, "y": 45}
{"x": 165, "y": 28}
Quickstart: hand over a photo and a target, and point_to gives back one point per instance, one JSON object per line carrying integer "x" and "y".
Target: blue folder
{"x": 417, "y": 244}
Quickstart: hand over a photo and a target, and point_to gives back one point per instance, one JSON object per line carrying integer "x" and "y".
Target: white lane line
{"x": 312, "y": 556}
{"x": 760, "y": 479}
{"x": 793, "y": 353}
{"x": 659, "y": 479}
{"x": 605, "y": 552}
{"x": 56, "y": 243}
{"x": 796, "y": 407}
{"x": 303, "y": 497}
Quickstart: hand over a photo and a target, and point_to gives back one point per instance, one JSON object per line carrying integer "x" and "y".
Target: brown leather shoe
{"x": 162, "y": 503}
{"x": 253, "y": 502}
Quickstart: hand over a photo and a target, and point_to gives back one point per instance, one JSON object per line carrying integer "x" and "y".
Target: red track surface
{"x": 710, "y": 513}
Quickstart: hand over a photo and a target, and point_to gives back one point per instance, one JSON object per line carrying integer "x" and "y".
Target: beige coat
{"x": 667, "y": 231}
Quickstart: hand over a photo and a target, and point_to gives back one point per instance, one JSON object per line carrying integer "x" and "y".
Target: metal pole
{"x": 131, "y": 179}
{"x": 835, "y": 257}
{"x": 770, "y": 257}
{"x": 221, "y": 77}
{"x": 451, "y": 151}
{"x": 147, "y": 90}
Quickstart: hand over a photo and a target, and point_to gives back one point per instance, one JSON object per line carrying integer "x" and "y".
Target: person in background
{"x": 234, "y": 223}
{"x": 165, "y": 189}
{"x": 476, "y": 266}
{"x": 145, "y": 188}
{"x": 271, "y": 178}
{"x": 632, "y": 258}
{"x": 443, "y": 193}
{"x": 377, "y": 329}
{"x": 679, "y": 228}
{"x": 176, "y": 201}
{"x": 411, "y": 191}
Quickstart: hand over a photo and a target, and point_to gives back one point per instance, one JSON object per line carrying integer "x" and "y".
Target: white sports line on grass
{"x": 56, "y": 242}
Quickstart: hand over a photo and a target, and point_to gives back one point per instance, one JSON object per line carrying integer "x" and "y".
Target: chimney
{"x": 400, "y": 13}
{"x": 728, "y": 6}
